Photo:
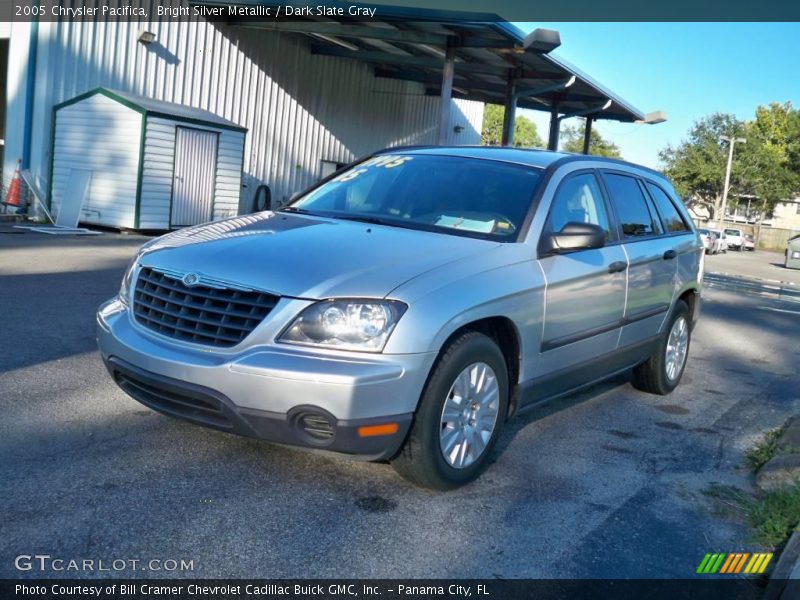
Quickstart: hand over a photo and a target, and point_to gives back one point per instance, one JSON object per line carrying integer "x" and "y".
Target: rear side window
{"x": 673, "y": 222}
{"x": 630, "y": 205}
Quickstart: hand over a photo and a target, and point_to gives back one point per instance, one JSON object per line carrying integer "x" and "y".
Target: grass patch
{"x": 729, "y": 501}
{"x": 772, "y": 516}
{"x": 759, "y": 455}
{"x": 775, "y": 515}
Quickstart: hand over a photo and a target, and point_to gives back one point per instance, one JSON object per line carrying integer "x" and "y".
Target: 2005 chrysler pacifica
{"x": 405, "y": 307}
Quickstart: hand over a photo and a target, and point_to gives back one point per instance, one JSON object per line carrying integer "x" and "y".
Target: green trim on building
{"x": 172, "y": 181}
{"x": 107, "y": 94}
{"x": 145, "y": 110}
{"x": 140, "y": 173}
{"x": 193, "y": 121}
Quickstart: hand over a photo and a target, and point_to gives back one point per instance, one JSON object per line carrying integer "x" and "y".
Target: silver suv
{"x": 405, "y": 307}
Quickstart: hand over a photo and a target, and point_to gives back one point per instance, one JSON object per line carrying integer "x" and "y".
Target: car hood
{"x": 308, "y": 257}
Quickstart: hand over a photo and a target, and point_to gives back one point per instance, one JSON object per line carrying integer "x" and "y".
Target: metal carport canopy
{"x": 474, "y": 56}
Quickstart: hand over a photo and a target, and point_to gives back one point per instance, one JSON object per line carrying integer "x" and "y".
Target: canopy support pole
{"x": 587, "y": 135}
{"x": 448, "y": 71}
{"x": 510, "y": 114}
{"x": 555, "y": 128}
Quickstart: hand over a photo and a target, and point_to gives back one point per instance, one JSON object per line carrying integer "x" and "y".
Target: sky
{"x": 688, "y": 70}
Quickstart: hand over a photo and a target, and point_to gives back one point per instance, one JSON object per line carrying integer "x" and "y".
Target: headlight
{"x": 361, "y": 325}
{"x": 125, "y": 287}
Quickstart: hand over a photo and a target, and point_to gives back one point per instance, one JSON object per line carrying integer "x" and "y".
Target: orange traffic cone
{"x": 14, "y": 195}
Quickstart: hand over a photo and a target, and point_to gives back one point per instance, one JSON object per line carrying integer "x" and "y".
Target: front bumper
{"x": 267, "y": 391}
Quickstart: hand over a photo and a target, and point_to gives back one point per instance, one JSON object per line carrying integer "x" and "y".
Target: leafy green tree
{"x": 572, "y": 141}
{"x": 697, "y": 165}
{"x": 766, "y": 168}
{"x": 771, "y": 158}
{"x": 525, "y": 134}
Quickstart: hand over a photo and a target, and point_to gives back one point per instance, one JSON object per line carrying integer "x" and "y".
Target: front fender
{"x": 514, "y": 291}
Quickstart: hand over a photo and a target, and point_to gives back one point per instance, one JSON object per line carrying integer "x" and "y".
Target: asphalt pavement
{"x": 605, "y": 483}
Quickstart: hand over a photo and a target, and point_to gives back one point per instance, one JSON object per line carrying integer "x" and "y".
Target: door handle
{"x": 670, "y": 254}
{"x": 617, "y": 267}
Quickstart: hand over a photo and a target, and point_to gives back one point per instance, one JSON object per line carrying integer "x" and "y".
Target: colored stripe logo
{"x": 734, "y": 563}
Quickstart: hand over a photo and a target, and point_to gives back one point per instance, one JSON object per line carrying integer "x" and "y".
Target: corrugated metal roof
{"x": 158, "y": 107}
{"x": 172, "y": 109}
{"x": 409, "y": 43}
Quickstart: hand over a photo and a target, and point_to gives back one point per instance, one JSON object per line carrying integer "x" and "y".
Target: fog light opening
{"x": 318, "y": 427}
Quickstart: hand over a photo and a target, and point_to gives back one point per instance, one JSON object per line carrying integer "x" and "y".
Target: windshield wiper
{"x": 364, "y": 219}
{"x": 296, "y": 209}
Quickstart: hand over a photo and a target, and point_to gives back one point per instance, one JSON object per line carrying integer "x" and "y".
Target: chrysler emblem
{"x": 190, "y": 279}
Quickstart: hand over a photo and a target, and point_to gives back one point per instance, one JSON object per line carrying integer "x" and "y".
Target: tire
{"x": 653, "y": 375}
{"x": 422, "y": 459}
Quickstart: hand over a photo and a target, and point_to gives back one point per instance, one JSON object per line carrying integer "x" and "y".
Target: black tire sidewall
{"x": 479, "y": 348}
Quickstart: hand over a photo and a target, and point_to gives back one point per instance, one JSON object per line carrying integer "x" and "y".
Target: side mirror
{"x": 575, "y": 236}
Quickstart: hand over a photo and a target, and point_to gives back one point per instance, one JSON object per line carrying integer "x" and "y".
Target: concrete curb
{"x": 784, "y": 581}
{"x": 783, "y": 469}
{"x": 780, "y": 471}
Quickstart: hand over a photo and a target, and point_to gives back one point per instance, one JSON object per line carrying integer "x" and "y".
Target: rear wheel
{"x": 661, "y": 372}
{"x": 460, "y": 415}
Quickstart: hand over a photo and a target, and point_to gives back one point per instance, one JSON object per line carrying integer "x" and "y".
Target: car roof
{"x": 526, "y": 156}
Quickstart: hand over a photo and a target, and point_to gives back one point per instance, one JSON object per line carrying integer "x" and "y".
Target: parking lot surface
{"x": 605, "y": 483}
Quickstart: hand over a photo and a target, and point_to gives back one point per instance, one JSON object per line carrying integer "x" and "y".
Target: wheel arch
{"x": 691, "y": 297}
{"x": 504, "y": 332}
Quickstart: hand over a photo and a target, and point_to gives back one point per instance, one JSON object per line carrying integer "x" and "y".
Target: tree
{"x": 697, "y": 165}
{"x": 525, "y": 134}
{"x": 572, "y": 141}
{"x": 767, "y": 167}
{"x": 771, "y": 160}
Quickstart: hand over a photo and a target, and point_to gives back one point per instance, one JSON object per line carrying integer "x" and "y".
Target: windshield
{"x": 733, "y": 232}
{"x": 456, "y": 195}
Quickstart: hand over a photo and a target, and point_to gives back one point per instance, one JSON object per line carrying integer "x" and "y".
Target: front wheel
{"x": 661, "y": 372}
{"x": 460, "y": 415}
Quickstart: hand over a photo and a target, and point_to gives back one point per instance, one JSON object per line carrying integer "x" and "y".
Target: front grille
{"x": 193, "y": 406}
{"x": 200, "y": 314}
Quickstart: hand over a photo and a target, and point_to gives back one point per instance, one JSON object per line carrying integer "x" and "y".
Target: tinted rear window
{"x": 456, "y": 195}
{"x": 630, "y": 205}
{"x": 670, "y": 217}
